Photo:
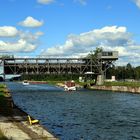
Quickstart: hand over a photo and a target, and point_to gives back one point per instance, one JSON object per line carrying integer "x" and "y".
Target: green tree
{"x": 129, "y": 70}
{"x": 94, "y": 54}
{"x": 137, "y": 72}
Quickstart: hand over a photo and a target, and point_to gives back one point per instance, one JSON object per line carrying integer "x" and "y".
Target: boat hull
{"x": 70, "y": 88}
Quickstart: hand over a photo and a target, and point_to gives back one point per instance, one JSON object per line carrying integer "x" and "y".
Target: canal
{"x": 82, "y": 114}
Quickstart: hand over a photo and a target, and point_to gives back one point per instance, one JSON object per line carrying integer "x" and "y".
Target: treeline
{"x": 124, "y": 72}
{"x": 49, "y": 77}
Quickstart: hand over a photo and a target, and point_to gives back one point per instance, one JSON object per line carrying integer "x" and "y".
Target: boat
{"x": 70, "y": 86}
{"x": 25, "y": 82}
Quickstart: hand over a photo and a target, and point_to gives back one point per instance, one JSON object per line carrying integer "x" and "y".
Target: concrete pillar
{"x": 100, "y": 80}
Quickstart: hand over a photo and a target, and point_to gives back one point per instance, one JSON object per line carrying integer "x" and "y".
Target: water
{"x": 81, "y": 115}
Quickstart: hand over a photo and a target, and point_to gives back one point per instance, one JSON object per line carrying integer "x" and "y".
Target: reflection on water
{"x": 87, "y": 115}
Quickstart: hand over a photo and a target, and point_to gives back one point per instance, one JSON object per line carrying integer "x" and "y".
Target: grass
{"x": 4, "y": 109}
{"x": 2, "y": 137}
{"x": 54, "y": 82}
{"x": 2, "y": 85}
{"x": 4, "y": 105}
{"x": 4, "y": 102}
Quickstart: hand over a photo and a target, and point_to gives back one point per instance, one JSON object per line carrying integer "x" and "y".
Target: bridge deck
{"x": 54, "y": 65}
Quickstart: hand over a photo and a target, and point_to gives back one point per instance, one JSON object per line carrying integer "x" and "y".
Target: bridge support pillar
{"x": 100, "y": 80}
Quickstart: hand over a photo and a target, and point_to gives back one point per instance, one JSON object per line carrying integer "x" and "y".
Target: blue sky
{"x": 70, "y": 28}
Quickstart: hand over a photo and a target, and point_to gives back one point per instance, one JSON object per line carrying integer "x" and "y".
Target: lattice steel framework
{"x": 55, "y": 65}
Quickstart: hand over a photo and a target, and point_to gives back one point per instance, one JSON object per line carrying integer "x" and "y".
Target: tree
{"x": 137, "y": 72}
{"x": 129, "y": 71}
{"x": 94, "y": 54}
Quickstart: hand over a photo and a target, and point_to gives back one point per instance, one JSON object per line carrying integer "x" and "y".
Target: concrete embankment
{"x": 16, "y": 125}
{"x": 117, "y": 88}
{"x": 111, "y": 88}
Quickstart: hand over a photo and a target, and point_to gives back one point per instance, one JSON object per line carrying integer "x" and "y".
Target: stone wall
{"x": 118, "y": 88}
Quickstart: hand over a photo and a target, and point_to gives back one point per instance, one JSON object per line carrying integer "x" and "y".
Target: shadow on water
{"x": 84, "y": 114}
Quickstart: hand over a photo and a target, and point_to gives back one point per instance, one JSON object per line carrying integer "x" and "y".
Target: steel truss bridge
{"x": 34, "y": 66}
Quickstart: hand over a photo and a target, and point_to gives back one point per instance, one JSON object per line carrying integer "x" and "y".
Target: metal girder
{"x": 54, "y": 65}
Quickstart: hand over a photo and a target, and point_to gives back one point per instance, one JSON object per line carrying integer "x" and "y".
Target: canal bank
{"x": 131, "y": 89}
{"x": 117, "y": 88}
{"x": 14, "y": 123}
{"x": 17, "y": 127}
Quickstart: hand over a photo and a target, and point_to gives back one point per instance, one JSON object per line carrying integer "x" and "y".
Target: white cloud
{"x": 110, "y": 38}
{"x": 137, "y": 3}
{"x": 45, "y": 1}
{"x": 85, "y": 42}
{"x": 14, "y": 40}
{"x": 8, "y": 31}
{"x": 24, "y": 42}
{"x": 30, "y": 37}
{"x": 19, "y": 46}
{"x": 31, "y": 22}
{"x": 83, "y": 2}
{"x": 18, "y": 41}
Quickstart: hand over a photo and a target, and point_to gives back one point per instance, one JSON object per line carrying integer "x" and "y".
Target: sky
{"x": 70, "y": 28}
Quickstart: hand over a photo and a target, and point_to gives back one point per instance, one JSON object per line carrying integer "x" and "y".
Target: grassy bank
{"x": 2, "y": 137}
{"x": 92, "y": 83}
{"x": 4, "y": 109}
{"x": 4, "y": 105}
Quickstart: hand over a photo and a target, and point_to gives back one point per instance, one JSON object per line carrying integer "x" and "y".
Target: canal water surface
{"x": 82, "y": 114}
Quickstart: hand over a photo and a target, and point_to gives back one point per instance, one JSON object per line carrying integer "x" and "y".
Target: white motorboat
{"x": 70, "y": 86}
{"x": 25, "y": 82}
